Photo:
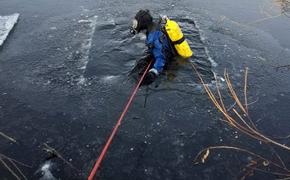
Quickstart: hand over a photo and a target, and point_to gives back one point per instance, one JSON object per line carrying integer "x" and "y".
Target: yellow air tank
{"x": 176, "y": 36}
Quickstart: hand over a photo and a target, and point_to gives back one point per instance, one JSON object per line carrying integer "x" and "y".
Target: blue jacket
{"x": 159, "y": 47}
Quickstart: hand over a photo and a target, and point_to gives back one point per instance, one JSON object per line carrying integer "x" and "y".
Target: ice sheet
{"x": 6, "y": 25}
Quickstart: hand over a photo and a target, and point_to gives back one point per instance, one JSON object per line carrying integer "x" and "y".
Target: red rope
{"x": 109, "y": 141}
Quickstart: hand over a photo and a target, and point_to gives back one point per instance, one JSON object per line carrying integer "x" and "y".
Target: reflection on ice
{"x": 6, "y": 25}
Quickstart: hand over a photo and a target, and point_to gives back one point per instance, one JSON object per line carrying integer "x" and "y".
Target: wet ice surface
{"x": 64, "y": 82}
{"x": 6, "y": 25}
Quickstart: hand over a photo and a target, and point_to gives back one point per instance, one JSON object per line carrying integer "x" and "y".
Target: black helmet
{"x": 143, "y": 20}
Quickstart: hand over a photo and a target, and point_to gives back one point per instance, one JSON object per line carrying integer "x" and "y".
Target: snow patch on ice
{"x": 53, "y": 28}
{"x": 81, "y": 80}
{"x": 84, "y": 21}
{"x": 6, "y": 25}
{"x": 109, "y": 79}
{"x": 45, "y": 170}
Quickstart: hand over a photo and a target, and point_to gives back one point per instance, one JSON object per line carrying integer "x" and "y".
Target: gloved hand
{"x": 150, "y": 77}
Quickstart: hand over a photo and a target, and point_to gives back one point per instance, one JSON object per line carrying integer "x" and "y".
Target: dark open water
{"x": 64, "y": 81}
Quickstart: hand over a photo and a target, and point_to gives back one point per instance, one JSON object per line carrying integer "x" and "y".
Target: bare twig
{"x": 18, "y": 169}
{"x": 279, "y": 157}
{"x": 264, "y": 19}
{"x": 245, "y": 127}
{"x": 251, "y": 103}
{"x": 7, "y": 137}
{"x": 244, "y": 124}
{"x": 53, "y": 151}
{"x": 273, "y": 173}
{"x": 284, "y": 178}
{"x": 9, "y": 169}
{"x": 232, "y": 106}
{"x": 245, "y": 90}
{"x": 14, "y": 160}
{"x": 233, "y": 93}
{"x": 13, "y": 163}
{"x": 263, "y": 159}
{"x": 285, "y": 137}
{"x": 219, "y": 93}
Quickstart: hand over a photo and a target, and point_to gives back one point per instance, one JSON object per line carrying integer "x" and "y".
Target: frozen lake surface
{"x": 64, "y": 81}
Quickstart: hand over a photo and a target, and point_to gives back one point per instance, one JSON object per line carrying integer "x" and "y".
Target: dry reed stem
{"x": 241, "y": 118}
{"x": 7, "y": 137}
{"x": 229, "y": 119}
{"x": 18, "y": 169}
{"x": 245, "y": 129}
{"x": 219, "y": 93}
{"x": 9, "y": 169}
{"x": 269, "y": 172}
{"x": 278, "y": 156}
{"x": 245, "y": 90}
{"x": 246, "y": 99}
{"x": 212, "y": 97}
{"x": 241, "y": 128}
{"x": 285, "y": 137}
{"x": 59, "y": 155}
{"x": 232, "y": 106}
{"x": 14, "y": 160}
{"x": 233, "y": 93}
{"x": 222, "y": 106}
{"x": 264, "y": 19}
{"x": 284, "y": 178}
{"x": 240, "y": 150}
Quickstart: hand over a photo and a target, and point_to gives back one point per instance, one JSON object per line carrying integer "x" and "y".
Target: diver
{"x": 164, "y": 41}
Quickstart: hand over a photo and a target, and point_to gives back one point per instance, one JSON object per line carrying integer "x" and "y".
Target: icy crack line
{"x": 86, "y": 46}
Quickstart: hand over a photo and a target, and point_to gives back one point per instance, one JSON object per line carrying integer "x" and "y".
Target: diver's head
{"x": 142, "y": 21}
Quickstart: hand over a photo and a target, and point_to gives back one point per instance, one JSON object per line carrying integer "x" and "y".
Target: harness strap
{"x": 179, "y": 41}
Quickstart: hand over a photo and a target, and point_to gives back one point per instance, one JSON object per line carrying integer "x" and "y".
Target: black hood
{"x": 144, "y": 20}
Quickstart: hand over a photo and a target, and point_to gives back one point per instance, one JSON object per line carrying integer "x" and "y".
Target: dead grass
{"x": 238, "y": 118}
{"x": 7, "y": 137}
{"x": 12, "y": 166}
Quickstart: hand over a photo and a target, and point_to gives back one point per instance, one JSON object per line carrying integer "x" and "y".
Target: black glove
{"x": 149, "y": 78}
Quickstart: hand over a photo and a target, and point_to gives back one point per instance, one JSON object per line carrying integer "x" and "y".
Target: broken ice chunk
{"x": 6, "y": 25}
